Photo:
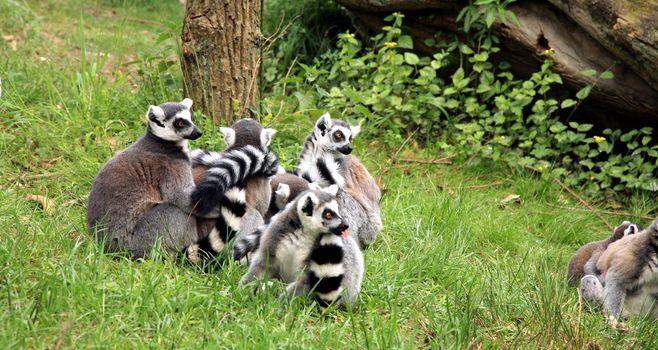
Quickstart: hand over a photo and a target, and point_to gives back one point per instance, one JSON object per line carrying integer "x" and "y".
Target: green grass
{"x": 451, "y": 269}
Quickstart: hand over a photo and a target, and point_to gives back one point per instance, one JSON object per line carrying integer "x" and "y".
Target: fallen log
{"x": 631, "y": 94}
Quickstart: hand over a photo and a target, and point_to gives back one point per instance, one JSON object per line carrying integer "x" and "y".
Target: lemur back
{"x": 584, "y": 260}
{"x": 628, "y": 280}
{"x": 320, "y": 159}
{"x": 242, "y": 206}
{"x": 307, "y": 246}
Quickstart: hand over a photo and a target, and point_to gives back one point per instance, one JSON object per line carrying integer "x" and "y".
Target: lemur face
{"x": 626, "y": 228}
{"x": 173, "y": 121}
{"x": 335, "y": 135}
{"x": 319, "y": 212}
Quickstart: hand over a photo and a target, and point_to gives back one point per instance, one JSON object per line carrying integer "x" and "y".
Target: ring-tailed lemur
{"x": 628, "y": 280}
{"x": 358, "y": 198}
{"x": 143, "y": 192}
{"x": 285, "y": 188}
{"x": 584, "y": 260}
{"x": 326, "y": 151}
{"x": 307, "y": 246}
{"x": 242, "y": 206}
{"x": 329, "y": 141}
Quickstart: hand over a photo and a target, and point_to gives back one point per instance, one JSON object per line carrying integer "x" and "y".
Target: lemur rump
{"x": 628, "y": 280}
{"x": 242, "y": 206}
{"x": 584, "y": 260}
{"x": 307, "y": 246}
{"x": 143, "y": 192}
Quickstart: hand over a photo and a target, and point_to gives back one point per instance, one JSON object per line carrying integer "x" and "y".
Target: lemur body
{"x": 242, "y": 206}
{"x": 325, "y": 153}
{"x": 584, "y": 260}
{"x": 143, "y": 193}
{"x": 307, "y": 246}
{"x": 628, "y": 280}
{"x": 329, "y": 141}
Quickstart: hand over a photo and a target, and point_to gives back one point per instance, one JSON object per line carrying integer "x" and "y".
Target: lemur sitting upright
{"x": 144, "y": 192}
{"x": 326, "y": 151}
{"x": 307, "y": 247}
{"x": 627, "y": 283}
{"x": 329, "y": 141}
{"x": 242, "y": 206}
{"x": 326, "y": 159}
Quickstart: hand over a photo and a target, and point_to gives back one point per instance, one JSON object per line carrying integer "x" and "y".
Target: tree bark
{"x": 221, "y": 56}
{"x": 633, "y": 93}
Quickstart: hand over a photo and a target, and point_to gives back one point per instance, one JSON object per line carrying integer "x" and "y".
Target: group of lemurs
{"x": 619, "y": 275}
{"x": 305, "y": 227}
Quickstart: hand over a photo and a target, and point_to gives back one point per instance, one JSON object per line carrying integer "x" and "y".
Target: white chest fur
{"x": 292, "y": 253}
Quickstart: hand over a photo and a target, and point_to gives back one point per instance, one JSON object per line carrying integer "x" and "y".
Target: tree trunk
{"x": 622, "y": 36}
{"x": 221, "y": 56}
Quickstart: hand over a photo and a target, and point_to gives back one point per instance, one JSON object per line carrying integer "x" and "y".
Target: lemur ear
{"x": 155, "y": 114}
{"x": 266, "y": 137}
{"x": 332, "y": 190}
{"x": 324, "y": 123}
{"x": 281, "y": 195}
{"x": 307, "y": 203}
{"x": 631, "y": 229}
{"x": 229, "y": 136}
{"x": 187, "y": 102}
{"x": 356, "y": 129}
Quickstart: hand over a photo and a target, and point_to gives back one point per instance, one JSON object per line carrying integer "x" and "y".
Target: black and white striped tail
{"x": 210, "y": 250}
{"x": 325, "y": 271}
{"x": 225, "y": 170}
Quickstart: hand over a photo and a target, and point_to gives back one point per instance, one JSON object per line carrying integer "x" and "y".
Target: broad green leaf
{"x": 411, "y": 58}
{"x": 589, "y": 72}
{"x": 567, "y": 103}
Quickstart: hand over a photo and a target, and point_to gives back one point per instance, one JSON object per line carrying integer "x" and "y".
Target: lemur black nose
{"x": 196, "y": 133}
{"x": 346, "y": 149}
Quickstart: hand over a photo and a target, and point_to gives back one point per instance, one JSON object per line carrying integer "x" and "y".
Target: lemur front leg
{"x": 614, "y": 294}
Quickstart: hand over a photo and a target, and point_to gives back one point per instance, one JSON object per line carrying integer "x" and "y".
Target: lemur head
{"x": 172, "y": 121}
{"x": 318, "y": 212}
{"x": 334, "y": 135}
{"x": 247, "y": 132}
{"x": 626, "y": 228}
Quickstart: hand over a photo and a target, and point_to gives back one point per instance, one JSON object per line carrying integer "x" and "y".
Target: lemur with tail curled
{"x": 143, "y": 192}
{"x": 242, "y": 206}
{"x": 627, "y": 283}
{"x": 308, "y": 247}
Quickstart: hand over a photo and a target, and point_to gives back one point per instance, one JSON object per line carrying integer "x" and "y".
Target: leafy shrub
{"x": 467, "y": 105}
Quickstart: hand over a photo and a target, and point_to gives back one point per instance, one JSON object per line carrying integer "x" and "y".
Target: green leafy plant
{"x": 461, "y": 101}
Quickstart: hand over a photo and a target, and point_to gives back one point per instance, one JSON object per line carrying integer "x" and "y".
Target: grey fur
{"x": 628, "y": 276}
{"x": 289, "y": 241}
{"x": 584, "y": 260}
{"x": 319, "y": 161}
{"x": 143, "y": 193}
{"x": 358, "y": 199}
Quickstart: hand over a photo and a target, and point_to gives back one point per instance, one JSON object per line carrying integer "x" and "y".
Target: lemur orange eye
{"x": 179, "y": 123}
{"x": 328, "y": 215}
{"x": 339, "y": 135}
